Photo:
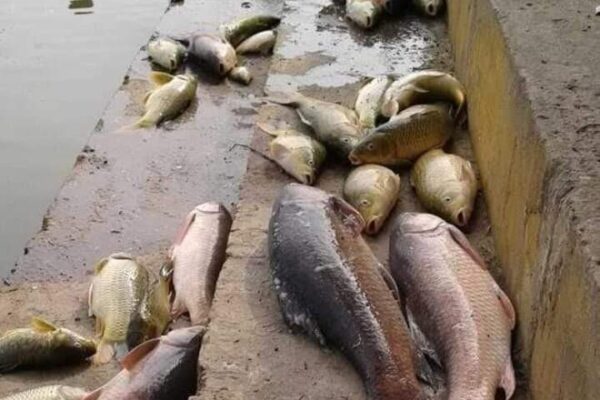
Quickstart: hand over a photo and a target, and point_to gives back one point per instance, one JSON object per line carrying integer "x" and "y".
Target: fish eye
{"x": 371, "y": 146}
{"x": 311, "y": 163}
{"x": 364, "y": 203}
{"x": 447, "y": 199}
{"x": 346, "y": 140}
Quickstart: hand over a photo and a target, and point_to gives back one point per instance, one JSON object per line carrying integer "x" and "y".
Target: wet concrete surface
{"x": 61, "y": 63}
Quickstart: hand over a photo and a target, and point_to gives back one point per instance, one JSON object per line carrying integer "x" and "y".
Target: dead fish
{"x": 406, "y": 136}
{"x": 373, "y": 190}
{"x": 330, "y": 286}
{"x": 213, "y": 53}
{"x": 334, "y": 125}
{"x": 172, "y": 96}
{"x": 368, "y": 102}
{"x": 298, "y": 154}
{"x": 423, "y": 87}
{"x": 430, "y": 8}
{"x": 54, "y": 392}
{"x": 197, "y": 256}
{"x": 158, "y": 369}
{"x": 364, "y": 13}
{"x": 166, "y": 53}
{"x": 42, "y": 345}
{"x": 241, "y": 74}
{"x": 456, "y": 304}
{"x": 261, "y": 42}
{"x": 118, "y": 298}
{"x": 236, "y": 32}
{"x": 446, "y": 185}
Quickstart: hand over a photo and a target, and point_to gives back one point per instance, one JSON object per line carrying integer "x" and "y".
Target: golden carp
{"x": 406, "y": 136}
{"x": 364, "y": 13}
{"x": 213, "y": 53}
{"x": 166, "y": 53}
{"x": 42, "y": 345}
{"x": 236, "y": 32}
{"x": 446, "y": 185}
{"x": 368, "y": 102}
{"x": 373, "y": 190}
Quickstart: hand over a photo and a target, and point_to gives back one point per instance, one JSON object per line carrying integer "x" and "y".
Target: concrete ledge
{"x": 529, "y": 72}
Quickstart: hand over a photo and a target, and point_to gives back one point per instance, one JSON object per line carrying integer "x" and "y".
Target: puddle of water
{"x": 57, "y": 73}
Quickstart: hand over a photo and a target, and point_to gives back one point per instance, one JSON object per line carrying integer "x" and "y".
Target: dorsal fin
{"x": 41, "y": 325}
{"x": 138, "y": 353}
{"x": 463, "y": 242}
{"x": 99, "y": 265}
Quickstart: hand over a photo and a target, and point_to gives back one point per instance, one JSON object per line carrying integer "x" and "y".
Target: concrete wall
{"x": 538, "y": 184}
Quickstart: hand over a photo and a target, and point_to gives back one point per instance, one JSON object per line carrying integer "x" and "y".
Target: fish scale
{"x": 54, "y": 392}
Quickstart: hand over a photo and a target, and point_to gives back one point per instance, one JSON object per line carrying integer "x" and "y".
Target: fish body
{"x": 42, "y": 345}
{"x": 166, "y": 53}
{"x": 261, "y": 42}
{"x": 241, "y": 74}
{"x": 158, "y": 369}
{"x": 236, "y": 32}
{"x": 456, "y": 304}
{"x": 431, "y": 8}
{"x": 334, "y": 125}
{"x": 423, "y": 87}
{"x": 330, "y": 286}
{"x": 446, "y": 185}
{"x": 171, "y": 96}
{"x": 368, "y": 102}
{"x": 118, "y": 299}
{"x": 406, "y": 136}
{"x": 54, "y": 392}
{"x": 373, "y": 190}
{"x": 364, "y": 13}
{"x": 215, "y": 54}
{"x": 197, "y": 257}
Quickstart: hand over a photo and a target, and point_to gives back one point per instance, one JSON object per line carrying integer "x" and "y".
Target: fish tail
{"x": 286, "y": 99}
{"x": 104, "y": 353}
{"x": 120, "y": 350}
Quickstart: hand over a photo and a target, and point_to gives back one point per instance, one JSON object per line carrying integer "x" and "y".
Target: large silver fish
{"x": 456, "y": 304}
{"x": 215, "y": 54}
{"x": 197, "y": 257}
{"x": 53, "y": 392}
{"x": 331, "y": 286}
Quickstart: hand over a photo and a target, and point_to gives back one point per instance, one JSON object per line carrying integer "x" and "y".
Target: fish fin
{"x": 95, "y": 395}
{"x": 416, "y": 88}
{"x": 90, "y": 298}
{"x": 349, "y": 215}
{"x": 463, "y": 242}
{"x": 120, "y": 350}
{"x": 138, "y": 353}
{"x": 160, "y": 78}
{"x": 6, "y": 367}
{"x": 304, "y": 120}
{"x": 104, "y": 353}
{"x": 99, "y": 265}
{"x": 41, "y": 325}
{"x": 178, "y": 308}
{"x": 467, "y": 172}
{"x": 147, "y": 96}
{"x": 508, "y": 382}
{"x": 389, "y": 281}
{"x": 277, "y": 150}
{"x": 183, "y": 229}
{"x": 297, "y": 318}
{"x": 506, "y": 305}
{"x": 269, "y": 130}
{"x": 423, "y": 344}
{"x": 99, "y": 327}
{"x": 285, "y": 99}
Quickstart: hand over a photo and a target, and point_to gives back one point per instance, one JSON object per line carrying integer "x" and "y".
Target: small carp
{"x": 54, "y": 392}
{"x": 298, "y": 154}
{"x": 213, "y": 53}
{"x": 171, "y": 96}
{"x": 446, "y": 185}
{"x": 241, "y": 75}
{"x": 331, "y": 287}
{"x": 166, "y": 53}
{"x": 430, "y": 8}
{"x": 261, "y": 42}
{"x": 364, "y": 13}
{"x": 197, "y": 256}
{"x": 423, "y": 87}
{"x": 158, "y": 369}
{"x": 369, "y": 100}
{"x": 456, "y": 304}
{"x": 42, "y": 345}
{"x": 118, "y": 298}
{"x": 236, "y": 32}
{"x": 373, "y": 190}
{"x": 406, "y": 136}
{"x": 334, "y": 125}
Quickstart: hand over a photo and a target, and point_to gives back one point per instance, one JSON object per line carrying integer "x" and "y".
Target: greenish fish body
{"x": 261, "y": 42}
{"x": 166, "y": 53}
{"x": 406, "y": 136}
{"x": 446, "y": 185}
{"x": 236, "y": 32}
{"x": 171, "y": 97}
{"x": 373, "y": 190}
{"x": 42, "y": 345}
{"x": 369, "y": 100}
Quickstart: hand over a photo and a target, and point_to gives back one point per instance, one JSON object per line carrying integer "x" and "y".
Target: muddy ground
{"x": 130, "y": 190}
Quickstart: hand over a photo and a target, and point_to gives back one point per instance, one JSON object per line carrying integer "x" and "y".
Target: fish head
{"x": 227, "y": 59}
{"x": 300, "y": 162}
{"x": 456, "y": 206}
{"x": 374, "y": 148}
{"x": 73, "y": 344}
{"x": 186, "y": 337}
{"x": 362, "y": 13}
{"x": 414, "y": 222}
{"x": 372, "y": 208}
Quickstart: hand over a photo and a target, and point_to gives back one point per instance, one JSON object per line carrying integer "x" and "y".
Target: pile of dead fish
{"x": 366, "y": 13}
{"x": 133, "y": 308}
{"x": 436, "y": 316}
{"x": 216, "y": 54}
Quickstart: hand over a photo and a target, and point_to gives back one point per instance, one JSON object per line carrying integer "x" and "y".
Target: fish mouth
{"x": 307, "y": 179}
{"x": 431, "y": 10}
{"x": 373, "y": 226}
{"x": 354, "y": 159}
{"x": 461, "y": 218}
